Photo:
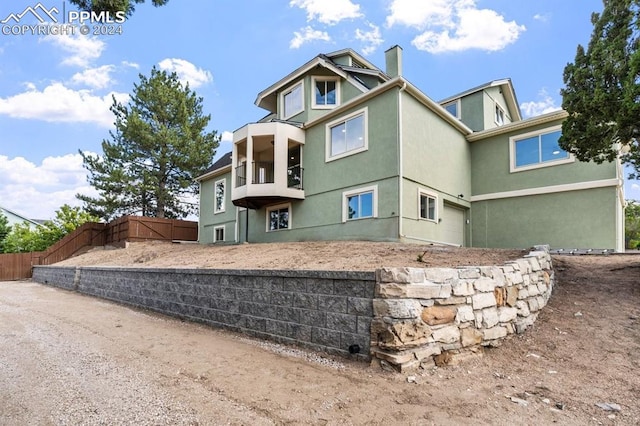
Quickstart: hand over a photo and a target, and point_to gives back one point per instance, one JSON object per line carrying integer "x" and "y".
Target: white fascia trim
{"x": 547, "y": 190}
{"x": 214, "y": 173}
{"x": 518, "y": 125}
{"x": 297, "y": 74}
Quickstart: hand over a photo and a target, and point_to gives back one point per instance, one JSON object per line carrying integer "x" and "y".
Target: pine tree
{"x": 113, "y": 6}
{"x": 157, "y": 149}
{"x": 602, "y": 93}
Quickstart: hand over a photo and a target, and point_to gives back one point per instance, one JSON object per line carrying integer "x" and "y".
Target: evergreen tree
{"x": 113, "y": 6}
{"x": 157, "y": 150}
{"x": 602, "y": 93}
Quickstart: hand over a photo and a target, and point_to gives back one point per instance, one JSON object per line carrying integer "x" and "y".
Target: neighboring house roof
{"x": 507, "y": 90}
{"x": 16, "y": 217}
{"x": 216, "y": 168}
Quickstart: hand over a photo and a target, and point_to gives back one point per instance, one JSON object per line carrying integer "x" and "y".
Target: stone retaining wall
{"x": 320, "y": 310}
{"x": 442, "y": 315}
{"x": 404, "y": 317}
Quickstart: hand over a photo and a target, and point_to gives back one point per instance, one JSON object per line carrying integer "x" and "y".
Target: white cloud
{"x": 454, "y": 25}
{"x": 328, "y": 11}
{"x": 98, "y": 78}
{"x": 130, "y": 64}
{"x": 226, "y": 136}
{"x": 544, "y": 105}
{"x": 305, "y": 35}
{"x": 37, "y": 191}
{"x": 187, "y": 72}
{"x": 57, "y": 103}
{"x": 83, "y": 50}
{"x": 541, "y": 17}
{"x": 372, "y": 39}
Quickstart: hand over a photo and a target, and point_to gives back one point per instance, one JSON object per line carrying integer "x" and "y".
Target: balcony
{"x": 268, "y": 170}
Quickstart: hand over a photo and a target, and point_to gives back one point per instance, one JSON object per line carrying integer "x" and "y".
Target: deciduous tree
{"x": 113, "y": 6}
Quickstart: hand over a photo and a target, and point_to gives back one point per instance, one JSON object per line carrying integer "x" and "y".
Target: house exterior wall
{"x": 208, "y": 218}
{"x": 562, "y": 220}
{"x": 556, "y": 205}
{"x": 436, "y": 159}
{"x": 471, "y": 111}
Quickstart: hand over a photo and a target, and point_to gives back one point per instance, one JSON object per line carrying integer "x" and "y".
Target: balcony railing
{"x": 262, "y": 172}
{"x": 241, "y": 175}
{"x": 294, "y": 176}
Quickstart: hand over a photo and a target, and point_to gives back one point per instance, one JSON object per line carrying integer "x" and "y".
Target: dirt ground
{"x": 72, "y": 359}
{"x": 320, "y": 255}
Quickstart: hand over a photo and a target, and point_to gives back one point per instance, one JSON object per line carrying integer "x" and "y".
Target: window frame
{"x": 541, "y": 164}
{"x": 457, "y": 104}
{"x": 359, "y": 191}
{"x": 364, "y": 112}
{"x": 215, "y": 233}
{"x": 283, "y": 101}
{"x": 436, "y": 210}
{"x": 499, "y": 113}
{"x": 217, "y": 210}
{"x": 316, "y": 79}
{"x": 269, "y": 209}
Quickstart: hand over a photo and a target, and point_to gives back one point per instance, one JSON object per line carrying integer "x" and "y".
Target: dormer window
{"x": 293, "y": 101}
{"x": 326, "y": 92}
{"x": 453, "y": 108}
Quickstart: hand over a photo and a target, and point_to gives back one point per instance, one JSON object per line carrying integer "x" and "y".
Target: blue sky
{"x": 56, "y": 90}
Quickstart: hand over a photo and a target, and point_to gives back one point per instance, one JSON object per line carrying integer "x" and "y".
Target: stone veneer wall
{"x": 442, "y": 315}
{"x": 320, "y": 310}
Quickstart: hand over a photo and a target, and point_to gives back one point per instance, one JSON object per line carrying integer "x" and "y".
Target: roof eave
{"x": 518, "y": 125}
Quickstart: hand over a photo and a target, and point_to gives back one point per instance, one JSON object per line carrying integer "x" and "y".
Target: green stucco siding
{"x": 490, "y": 172}
{"x": 471, "y": 111}
{"x": 574, "y": 219}
{"x": 208, "y": 220}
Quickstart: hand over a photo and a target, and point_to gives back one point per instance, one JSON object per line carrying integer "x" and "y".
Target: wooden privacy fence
{"x": 16, "y": 266}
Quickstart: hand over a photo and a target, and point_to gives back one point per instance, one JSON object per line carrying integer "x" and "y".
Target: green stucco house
{"x": 351, "y": 152}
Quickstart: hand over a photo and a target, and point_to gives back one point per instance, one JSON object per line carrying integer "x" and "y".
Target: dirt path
{"x": 71, "y": 359}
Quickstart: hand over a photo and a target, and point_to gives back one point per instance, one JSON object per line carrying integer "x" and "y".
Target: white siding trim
{"x": 547, "y": 189}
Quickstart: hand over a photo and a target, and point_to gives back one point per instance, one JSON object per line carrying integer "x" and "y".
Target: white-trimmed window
{"x": 537, "y": 149}
{"x": 219, "y": 196}
{"x": 453, "y": 108}
{"x": 427, "y": 205}
{"x": 347, "y": 136}
{"x": 293, "y": 100}
{"x": 326, "y": 92}
{"x": 499, "y": 116}
{"x": 278, "y": 217}
{"x": 218, "y": 234}
{"x": 361, "y": 203}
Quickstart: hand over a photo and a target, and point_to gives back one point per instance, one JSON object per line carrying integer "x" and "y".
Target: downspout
{"x": 400, "y": 163}
{"x": 236, "y": 233}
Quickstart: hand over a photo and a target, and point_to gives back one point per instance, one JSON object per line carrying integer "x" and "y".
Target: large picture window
{"x": 279, "y": 217}
{"x": 361, "y": 203}
{"x": 538, "y": 149}
{"x": 293, "y": 101}
{"x": 347, "y": 136}
{"x": 219, "y": 196}
{"x": 326, "y": 92}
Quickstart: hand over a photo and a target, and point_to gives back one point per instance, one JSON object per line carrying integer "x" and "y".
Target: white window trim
{"x": 457, "y": 102}
{"x": 495, "y": 115}
{"x": 365, "y": 112}
{"x": 215, "y": 233}
{"x": 224, "y": 196}
{"x": 512, "y": 152}
{"x": 286, "y": 92}
{"x": 345, "y": 202}
{"x": 433, "y": 195}
{"x": 278, "y": 207}
{"x": 313, "y": 94}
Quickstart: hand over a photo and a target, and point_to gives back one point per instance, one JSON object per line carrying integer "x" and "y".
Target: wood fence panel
{"x": 16, "y": 266}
